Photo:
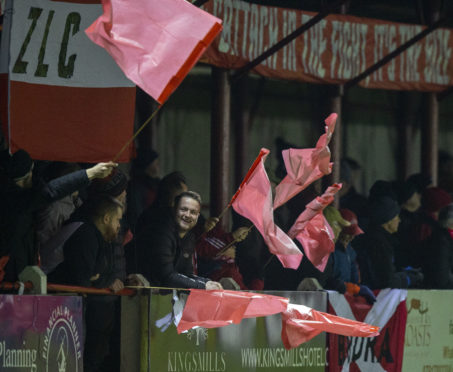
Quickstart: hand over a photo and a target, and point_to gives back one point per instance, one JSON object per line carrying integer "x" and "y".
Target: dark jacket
{"x": 408, "y": 251}
{"x": 163, "y": 257}
{"x": 344, "y": 263}
{"x": 17, "y": 211}
{"x": 86, "y": 254}
{"x": 437, "y": 259}
{"x": 375, "y": 256}
{"x": 279, "y": 278}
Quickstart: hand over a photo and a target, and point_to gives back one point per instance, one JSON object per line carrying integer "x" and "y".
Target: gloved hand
{"x": 368, "y": 294}
{"x": 414, "y": 277}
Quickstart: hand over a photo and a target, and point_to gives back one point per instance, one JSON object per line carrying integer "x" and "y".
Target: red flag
{"x": 301, "y": 323}
{"x": 212, "y": 309}
{"x": 155, "y": 42}
{"x": 263, "y": 152}
{"x": 305, "y": 166}
{"x": 312, "y": 230}
{"x": 254, "y": 201}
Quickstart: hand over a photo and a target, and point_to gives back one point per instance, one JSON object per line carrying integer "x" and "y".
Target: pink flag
{"x": 254, "y": 201}
{"x": 312, "y": 230}
{"x": 305, "y": 166}
{"x": 301, "y": 323}
{"x": 154, "y": 42}
{"x": 212, "y": 309}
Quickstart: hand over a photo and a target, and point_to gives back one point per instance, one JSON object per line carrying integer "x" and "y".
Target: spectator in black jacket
{"x": 89, "y": 261}
{"x": 375, "y": 248}
{"x": 22, "y": 197}
{"x": 437, "y": 258}
{"x": 165, "y": 246}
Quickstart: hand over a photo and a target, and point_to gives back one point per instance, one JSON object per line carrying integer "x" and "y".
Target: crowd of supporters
{"x": 97, "y": 226}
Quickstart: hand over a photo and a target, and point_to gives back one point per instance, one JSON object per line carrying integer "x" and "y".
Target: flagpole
{"x": 224, "y": 249}
{"x": 137, "y": 133}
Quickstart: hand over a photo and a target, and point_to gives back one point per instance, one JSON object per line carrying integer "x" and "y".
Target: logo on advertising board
{"x": 197, "y": 334}
{"x": 62, "y": 344}
{"x": 418, "y": 330}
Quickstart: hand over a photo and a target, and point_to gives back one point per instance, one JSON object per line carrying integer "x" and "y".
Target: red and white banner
{"x": 382, "y": 353}
{"x": 68, "y": 100}
{"x": 335, "y": 50}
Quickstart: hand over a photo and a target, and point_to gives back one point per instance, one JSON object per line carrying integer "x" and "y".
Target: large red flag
{"x": 312, "y": 230}
{"x": 154, "y": 42}
{"x": 305, "y": 166}
{"x": 301, "y": 323}
{"x": 212, "y": 309}
{"x": 254, "y": 201}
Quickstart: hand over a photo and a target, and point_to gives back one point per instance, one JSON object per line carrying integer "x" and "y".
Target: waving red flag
{"x": 254, "y": 201}
{"x": 212, "y": 309}
{"x": 301, "y": 323}
{"x": 312, "y": 230}
{"x": 263, "y": 153}
{"x": 305, "y": 166}
{"x": 155, "y": 42}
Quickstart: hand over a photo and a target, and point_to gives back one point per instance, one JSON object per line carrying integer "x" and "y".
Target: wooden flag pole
{"x": 137, "y": 133}
{"x": 224, "y": 249}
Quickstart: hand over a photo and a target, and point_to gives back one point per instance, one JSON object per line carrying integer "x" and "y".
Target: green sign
{"x": 428, "y": 345}
{"x": 252, "y": 345}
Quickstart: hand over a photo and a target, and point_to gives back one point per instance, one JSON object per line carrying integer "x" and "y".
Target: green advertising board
{"x": 428, "y": 345}
{"x": 253, "y": 345}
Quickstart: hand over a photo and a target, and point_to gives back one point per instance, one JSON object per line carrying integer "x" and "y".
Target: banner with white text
{"x": 41, "y": 333}
{"x": 253, "y": 345}
{"x": 335, "y": 50}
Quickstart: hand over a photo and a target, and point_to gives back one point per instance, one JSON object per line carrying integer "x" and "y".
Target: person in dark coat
{"x": 406, "y": 254}
{"x": 344, "y": 258}
{"x": 143, "y": 185}
{"x": 437, "y": 257}
{"x": 22, "y": 198}
{"x": 165, "y": 247}
{"x": 89, "y": 262}
{"x": 375, "y": 249}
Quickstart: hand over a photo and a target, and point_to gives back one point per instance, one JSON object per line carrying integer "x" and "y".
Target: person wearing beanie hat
{"x": 114, "y": 185}
{"x": 22, "y": 198}
{"x": 375, "y": 249}
{"x": 350, "y": 198}
{"x": 335, "y": 220}
{"x": 409, "y": 199}
{"x": 433, "y": 200}
{"x": 382, "y": 189}
{"x": 437, "y": 252}
{"x": 143, "y": 185}
{"x": 344, "y": 258}
{"x": 420, "y": 181}
{"x": 20, "y": 169}
{"x": 384, "y": 211}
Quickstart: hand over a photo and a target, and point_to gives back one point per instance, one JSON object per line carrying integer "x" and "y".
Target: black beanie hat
{"x": 383, "y": 209}
{"x": 112, "y": 185}
{"x": 404, "y": 191}
{"x": 382, "y": 189}
{"x": 145, "y": 157}
{"x": 19, "y": 165}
